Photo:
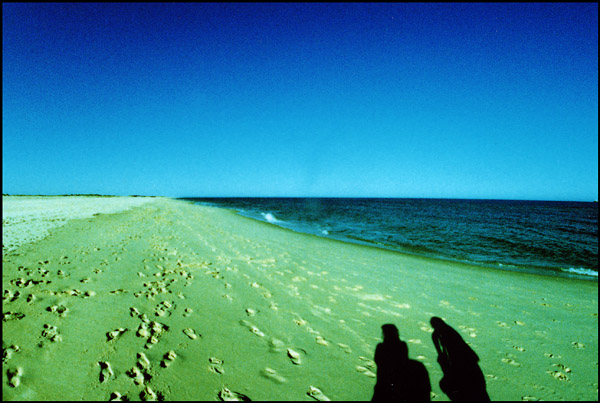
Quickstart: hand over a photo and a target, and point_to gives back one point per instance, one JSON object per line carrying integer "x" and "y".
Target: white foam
{"x": 581, "y": 270}
{"x": 270, "y": 217}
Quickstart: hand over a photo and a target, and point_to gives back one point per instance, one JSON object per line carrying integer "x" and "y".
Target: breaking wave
{"x": 270, "y": 217}
{"x": 582, "y": 271}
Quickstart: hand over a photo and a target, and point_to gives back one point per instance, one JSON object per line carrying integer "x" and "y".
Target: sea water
{"x": 545, "y": 237}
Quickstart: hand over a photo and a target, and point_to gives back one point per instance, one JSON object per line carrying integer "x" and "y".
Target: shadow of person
{"x": 463, "y": 379}
{"x": 398, "y": 377}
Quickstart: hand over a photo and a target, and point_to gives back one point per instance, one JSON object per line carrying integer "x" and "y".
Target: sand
{"x": 28, "y": 218}
{"x": 169, "y": 300}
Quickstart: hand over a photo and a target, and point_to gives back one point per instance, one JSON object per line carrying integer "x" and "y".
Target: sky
{"x": 485, "y": 101}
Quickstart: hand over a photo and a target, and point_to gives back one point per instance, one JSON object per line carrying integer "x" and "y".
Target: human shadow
{"x": 398, "y": 377}
{"x": 463, "y": 379}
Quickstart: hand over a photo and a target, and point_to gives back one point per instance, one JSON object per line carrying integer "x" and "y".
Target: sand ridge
{"x": 178, "y": 302}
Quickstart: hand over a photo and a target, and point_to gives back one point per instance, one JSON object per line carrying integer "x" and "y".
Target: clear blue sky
{"x": 381, "y": 100}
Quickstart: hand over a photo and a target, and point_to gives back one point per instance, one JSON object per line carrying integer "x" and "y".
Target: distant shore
{"x": 73, "y": 194}
{"x": 160, "y": 298}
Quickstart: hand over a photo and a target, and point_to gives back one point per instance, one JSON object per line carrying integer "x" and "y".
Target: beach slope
{"x": 170, "y": 300}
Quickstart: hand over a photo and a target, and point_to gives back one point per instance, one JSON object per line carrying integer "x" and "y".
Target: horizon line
{"x": 299, "y": 197}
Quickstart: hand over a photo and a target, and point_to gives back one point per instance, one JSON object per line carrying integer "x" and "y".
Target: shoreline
{"x": 252, "y": 293}
{"x": 571, "y": 273}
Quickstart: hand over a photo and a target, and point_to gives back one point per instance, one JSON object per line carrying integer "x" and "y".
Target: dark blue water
{"x": 554, "y": 238}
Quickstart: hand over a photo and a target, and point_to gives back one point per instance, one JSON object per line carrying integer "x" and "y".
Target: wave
{"x": 270, "y": 218}
{"x": 582, "y": 271}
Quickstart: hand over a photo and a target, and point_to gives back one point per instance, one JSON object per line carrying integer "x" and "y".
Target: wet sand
{"x": 174, "y": 301}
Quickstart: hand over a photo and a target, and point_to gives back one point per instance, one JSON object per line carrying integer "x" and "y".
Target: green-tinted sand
{"x": 250, "y": 291}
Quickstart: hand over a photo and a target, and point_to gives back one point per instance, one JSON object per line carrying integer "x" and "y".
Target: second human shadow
{"x": 463, "y": 379}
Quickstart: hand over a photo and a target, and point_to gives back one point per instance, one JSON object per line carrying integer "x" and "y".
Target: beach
{"x": 161, "y": 299}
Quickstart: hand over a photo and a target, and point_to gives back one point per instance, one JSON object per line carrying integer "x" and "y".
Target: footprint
{"x": 151, "y": 342}
{"x": 105, "y": 371}
{"x": 14, "y": 376}
{"x": 252, "y": 328}
{"x": 576, "y": 344}
{"x": 148, "y": 394}
{"x": 317, "y": 394}
{"x": 256, "y": 331}
{"x": 368, "y": 362}
{"x": 187, "y": 312}
{"x": 168, "y": 359}
{"x": 8, "y": 352}
{"x": 157, "y": 328}
{"x": 7, "y": 316}
{"x": 294, "y": 356}
{"x": 563, "y": 367}
{"x": 143, "y": 330}
{"x": 216, "y": 365}
{"x": 521, "y": 349}
{"x": 345, "y": 347}
{"x": 320, "y": 340}
{"x": 115, "y": 333}
{"x": 561, "y": 376}
{"x": 511, "y": 362}
{"x": 117, "y": 397}
{"x": 300, "y": 322}
{"x": 59, "y": 309}
{"x": 366, "y": 371}
{"x": 136, "y": 374}
{"x": 143, "y": 361}
{"x": 15, "y": 296}
{"x": 189, "y": 332}
{"x": 160, "y": 311}
{"x": 276, "y": 345}
{"x": 51, "y": 333}
{"x": 228, "y": 395}
{"x": 271, "y": 374}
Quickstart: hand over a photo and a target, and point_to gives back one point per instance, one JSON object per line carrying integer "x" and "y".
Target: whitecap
{"x": 581, "y": 270}
{"x": 269, "y": 217}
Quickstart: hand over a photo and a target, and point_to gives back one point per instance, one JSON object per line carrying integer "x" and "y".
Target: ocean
{"x": 543, "y": 237}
